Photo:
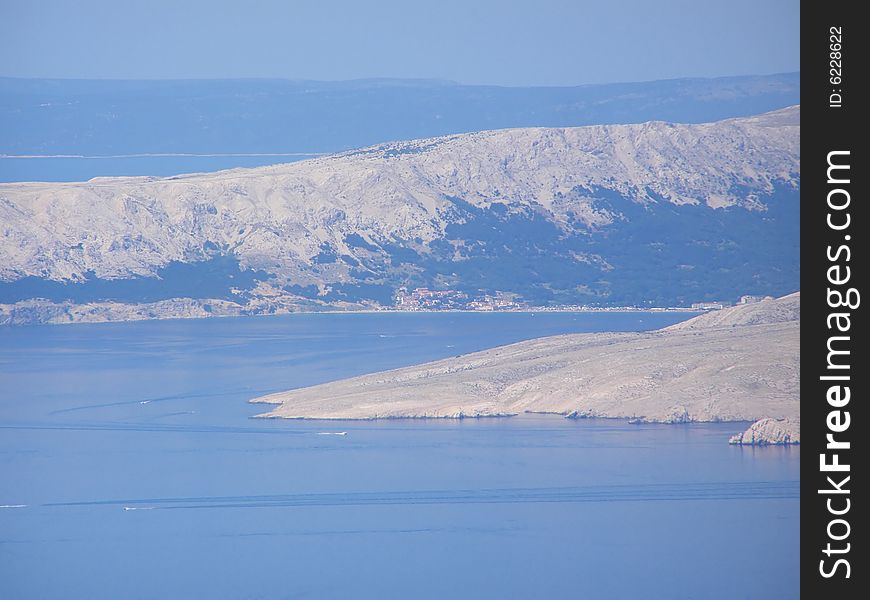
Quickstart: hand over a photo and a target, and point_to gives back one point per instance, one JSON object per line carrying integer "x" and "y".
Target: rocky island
{"x": 737, "y": 364}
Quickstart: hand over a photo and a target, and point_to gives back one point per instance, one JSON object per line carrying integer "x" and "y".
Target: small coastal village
{"x": 425, "y": 299}
{"x": 272, "y": 301}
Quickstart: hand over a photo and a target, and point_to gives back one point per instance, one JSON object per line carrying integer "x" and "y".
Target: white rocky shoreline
{"x": 770, "y": 432}
{"x": 763, "y": 432}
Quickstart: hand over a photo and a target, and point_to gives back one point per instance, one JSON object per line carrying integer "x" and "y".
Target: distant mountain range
{"x": 104, "y": 117}
{"x": 647, "y": 214}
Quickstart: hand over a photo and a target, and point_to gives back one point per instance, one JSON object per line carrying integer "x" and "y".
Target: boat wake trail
{"x": 666, "y": 492}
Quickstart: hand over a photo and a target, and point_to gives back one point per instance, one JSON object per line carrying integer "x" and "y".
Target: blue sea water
{"x": 129, "y": 468}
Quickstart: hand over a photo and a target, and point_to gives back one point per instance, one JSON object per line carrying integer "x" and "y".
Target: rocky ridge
{"x": 559, "y": 205}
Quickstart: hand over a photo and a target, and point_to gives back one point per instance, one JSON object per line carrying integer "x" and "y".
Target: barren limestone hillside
{"x": 656, "y": 213}
{"x": 699, "y": 372}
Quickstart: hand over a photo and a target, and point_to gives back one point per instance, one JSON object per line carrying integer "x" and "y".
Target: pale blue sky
{"x": 545, "y": 42}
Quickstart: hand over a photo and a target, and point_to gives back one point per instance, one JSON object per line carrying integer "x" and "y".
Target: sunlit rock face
{"x": 654, "y": 213}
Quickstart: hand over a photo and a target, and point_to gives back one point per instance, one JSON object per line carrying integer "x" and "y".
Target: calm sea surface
{"x": 129, "y": 468}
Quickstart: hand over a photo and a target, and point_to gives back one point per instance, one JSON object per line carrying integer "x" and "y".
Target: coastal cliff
{"x": 770, "y": 432}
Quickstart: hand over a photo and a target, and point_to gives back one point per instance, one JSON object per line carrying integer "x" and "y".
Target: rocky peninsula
{"x": 737, "y": 364}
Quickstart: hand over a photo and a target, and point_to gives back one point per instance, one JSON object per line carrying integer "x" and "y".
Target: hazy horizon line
{"x": 434, "y": 80}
